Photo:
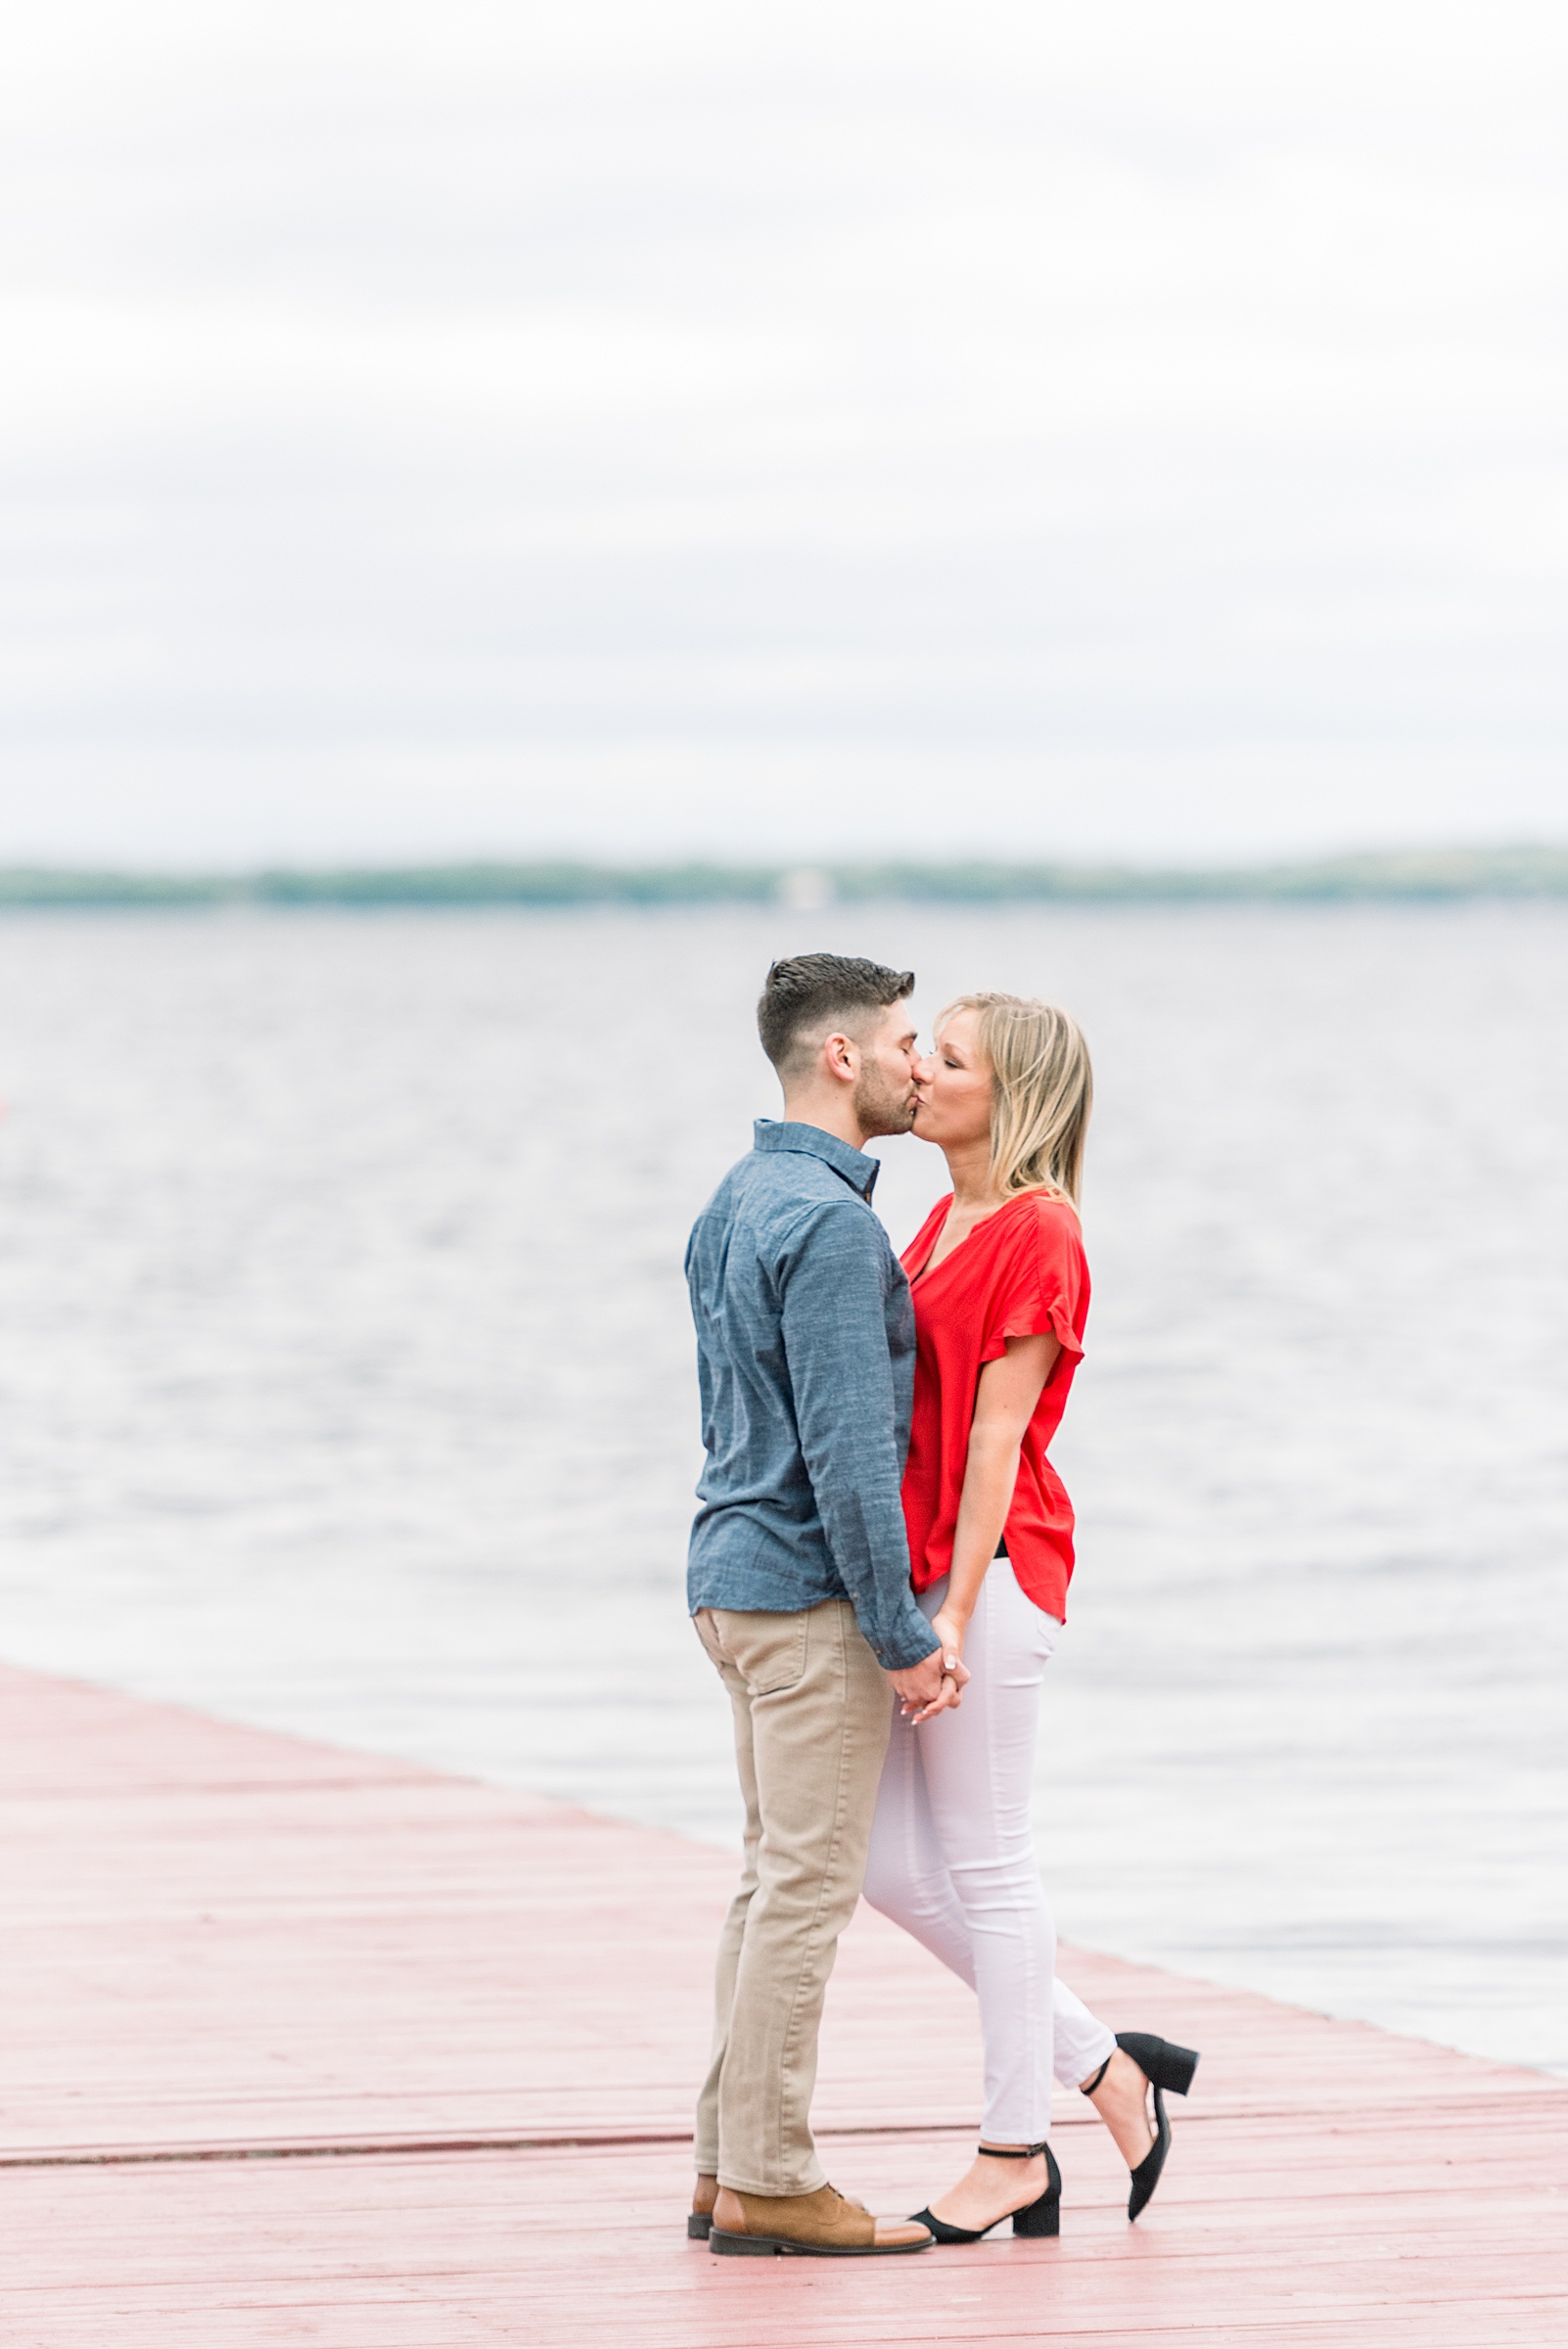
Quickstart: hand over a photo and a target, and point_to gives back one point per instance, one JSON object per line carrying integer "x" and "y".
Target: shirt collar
{"x": 858, "y": 1168}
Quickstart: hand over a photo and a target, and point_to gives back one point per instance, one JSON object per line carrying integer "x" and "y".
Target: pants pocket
{"x": 768, "y": 1652}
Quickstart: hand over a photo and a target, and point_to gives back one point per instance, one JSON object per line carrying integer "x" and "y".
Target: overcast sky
{"x": 782, "y": 430}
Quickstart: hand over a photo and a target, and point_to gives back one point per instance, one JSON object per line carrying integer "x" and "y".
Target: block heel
{"x": 1044, "y": 2217}
{"x": 1161, "y": 2061}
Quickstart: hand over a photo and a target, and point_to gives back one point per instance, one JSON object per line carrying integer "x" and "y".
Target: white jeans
{"x": 952, "y": 1860}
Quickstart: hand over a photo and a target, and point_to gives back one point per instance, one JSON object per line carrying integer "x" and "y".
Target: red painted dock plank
{"x": 220, "y": 1942}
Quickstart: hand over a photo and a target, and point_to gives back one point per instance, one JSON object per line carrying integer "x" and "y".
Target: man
{"x": 799, "y": 1578}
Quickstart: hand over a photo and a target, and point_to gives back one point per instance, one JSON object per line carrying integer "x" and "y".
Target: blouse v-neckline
{"x": 927, "y": 1270}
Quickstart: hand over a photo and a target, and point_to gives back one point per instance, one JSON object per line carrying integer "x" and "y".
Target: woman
{"x": 1001, "y": 1293}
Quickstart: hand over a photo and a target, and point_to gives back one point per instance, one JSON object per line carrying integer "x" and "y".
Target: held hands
{"x": 932, "y": 1685}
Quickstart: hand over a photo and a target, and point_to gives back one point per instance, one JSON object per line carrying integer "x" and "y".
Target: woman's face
{"x": 954, "y": 1085}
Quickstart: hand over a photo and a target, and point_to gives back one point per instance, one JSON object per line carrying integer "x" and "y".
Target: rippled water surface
{"x": 347, "y": 1384}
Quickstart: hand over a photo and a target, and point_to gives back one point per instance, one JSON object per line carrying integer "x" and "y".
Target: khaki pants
{"x": 812, "y": 1713}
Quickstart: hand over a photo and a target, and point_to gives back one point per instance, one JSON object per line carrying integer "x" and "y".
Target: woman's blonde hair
{"x": 1043, "y": 1090}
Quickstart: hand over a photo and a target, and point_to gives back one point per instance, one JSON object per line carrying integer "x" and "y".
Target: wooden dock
{"x": 309, "y": 2047}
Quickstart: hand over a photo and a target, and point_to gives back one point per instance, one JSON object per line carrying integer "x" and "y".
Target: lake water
{"x": 347, "y": 1384}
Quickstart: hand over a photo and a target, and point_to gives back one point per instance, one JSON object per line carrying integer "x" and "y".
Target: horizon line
{"x": 803, "y": 885}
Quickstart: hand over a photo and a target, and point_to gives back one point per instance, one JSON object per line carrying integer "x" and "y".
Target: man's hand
{"x": 928, "y": 1687}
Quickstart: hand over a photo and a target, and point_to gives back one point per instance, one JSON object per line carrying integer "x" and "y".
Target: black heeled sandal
{"x": 1044, "y": 2217}
{"x": 1164, "y": 2066}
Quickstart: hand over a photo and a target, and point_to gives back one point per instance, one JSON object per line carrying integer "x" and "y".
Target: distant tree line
{"x": 1409, "y": 874}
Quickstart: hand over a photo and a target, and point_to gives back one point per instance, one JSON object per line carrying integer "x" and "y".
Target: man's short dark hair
{"x": 820, "y": 991}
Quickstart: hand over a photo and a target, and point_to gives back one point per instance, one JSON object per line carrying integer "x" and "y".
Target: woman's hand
{"x": 950, "y": 1630}
{"x": 954, "y": 1673}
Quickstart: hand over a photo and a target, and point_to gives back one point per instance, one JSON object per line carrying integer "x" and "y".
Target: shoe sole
{"x": 698, "y": 2226}
{"x": 778, "y": 2246}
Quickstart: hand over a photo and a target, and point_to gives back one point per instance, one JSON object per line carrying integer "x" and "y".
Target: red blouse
{"x": 1021, "y": 1271}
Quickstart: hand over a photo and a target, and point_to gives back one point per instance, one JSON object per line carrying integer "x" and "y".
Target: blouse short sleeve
{"x": 1041, "y": 1282}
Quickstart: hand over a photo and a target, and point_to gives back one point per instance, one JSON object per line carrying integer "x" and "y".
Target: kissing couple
{"x": 878, "y": 1573}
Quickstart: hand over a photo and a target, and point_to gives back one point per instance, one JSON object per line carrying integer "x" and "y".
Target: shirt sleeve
{"x": 1040, "y": 1284}
{"x": 834, "y": 1323}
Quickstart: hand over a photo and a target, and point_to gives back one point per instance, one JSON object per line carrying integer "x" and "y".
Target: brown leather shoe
{"x": 825, "y": 2225}
{"x": 700, "y": 2218}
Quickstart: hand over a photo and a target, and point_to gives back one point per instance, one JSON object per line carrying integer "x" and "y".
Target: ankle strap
{"x": 1090, "y": 2085}
{"x": 1015, "y": 2153}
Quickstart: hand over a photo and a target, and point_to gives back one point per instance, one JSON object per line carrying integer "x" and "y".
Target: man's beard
{"x": 880, "y": 1107}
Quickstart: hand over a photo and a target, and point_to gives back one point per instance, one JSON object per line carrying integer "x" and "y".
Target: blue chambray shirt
{"x": 805, "y": 1344}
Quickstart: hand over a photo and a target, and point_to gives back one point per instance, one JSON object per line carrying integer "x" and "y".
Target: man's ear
{"x": 839, "y": 1058}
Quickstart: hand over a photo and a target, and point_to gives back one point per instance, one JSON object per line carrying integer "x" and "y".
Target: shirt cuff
{"x": 899, "y": 1655}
